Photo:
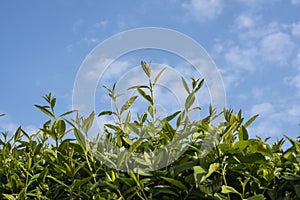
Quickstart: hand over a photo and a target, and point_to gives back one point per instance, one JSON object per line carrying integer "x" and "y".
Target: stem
{"x": 152, "y": 97}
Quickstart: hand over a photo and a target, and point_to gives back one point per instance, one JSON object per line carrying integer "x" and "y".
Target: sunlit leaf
{"x": 228, "y": 189}
{"x": 128, "y": 103}
{"x": 175, "y": 182}
{"x": 105, "y": 113}
{"x": 146, "y": 68}
{"x": 250, "y": 121}
{"x": 185, "y": 85}
{"x": 158, "y": 75}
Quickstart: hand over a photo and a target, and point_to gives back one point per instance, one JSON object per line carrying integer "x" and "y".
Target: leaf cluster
{"x": 50, "y": 165}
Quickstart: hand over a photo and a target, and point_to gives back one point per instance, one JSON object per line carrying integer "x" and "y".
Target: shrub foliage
{"x": 49, "y": 165}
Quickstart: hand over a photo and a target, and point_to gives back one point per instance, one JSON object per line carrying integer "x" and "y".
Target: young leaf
{"x": 172, "y": 116}
{"x": 175, "y": 182}
{"x": 18, "y": 133}
{"x": 212, "y": 168}
{"x": 88, "y": 122}
{"x": 107, "y": 88}
{"x": 228, "y": 189}
{"x": 250, "y": 121}
{"x": 46, "y": 111}
{"x": 180, "y": 118}
{"x": 200, "y": 84}
{"x": 139, "y": 86}
{"x": 199, "y": 174}
{"x": 61, "y": 126}
{"x": 146, "y": 68}
{"x": 67, "y": 113}
{"x": 257, "y": 197}
{"x": 189, "y": 101}
{"x": 186, "y": 87}
{"x": 243, "y": 133}
{"x": 158, "y": 75}
{"x": 145, "y": 96}
{"x": 52, "y": 103}
{"x": 128, "y": 103}
{"x": 136, "y": 144}
{"x": 105, "y": 113}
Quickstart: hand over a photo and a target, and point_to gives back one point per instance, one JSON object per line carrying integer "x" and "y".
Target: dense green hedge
{"x": 48, "y": 165}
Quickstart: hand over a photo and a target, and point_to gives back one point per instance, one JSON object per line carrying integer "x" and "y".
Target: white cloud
{"x": 115, "y": 70}
{"x": 276, "y": 47}
{"x": 274, "y": 122}
{"x": 263, "y": 109}
{"x": 6, "y": 124}
{"x": 101, "y": 24}
{"x": 245, "y": 21}
{"x": 255, "y": 3}
{"x": 83, "y": 41}
{"x": 294, "y": 81}
{"x": 204, "y": 9}
{"x": 296, "y": 29}
{"x": 243, "y": 58}
{"x": 295, "y": 2}
{"x": 89, "y": 40}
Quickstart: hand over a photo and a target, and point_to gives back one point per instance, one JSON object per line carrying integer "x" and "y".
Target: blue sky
{"x": 254, "y": 43}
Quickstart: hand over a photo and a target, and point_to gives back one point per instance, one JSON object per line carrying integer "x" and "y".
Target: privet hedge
{"x": 49, "y": 165}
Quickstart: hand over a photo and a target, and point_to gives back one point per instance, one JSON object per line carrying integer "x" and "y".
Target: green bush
{"x": 49, "y": 165}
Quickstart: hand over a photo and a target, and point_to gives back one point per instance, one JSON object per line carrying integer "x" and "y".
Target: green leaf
{"x": 200, "y": 84}
{"x": 172, "y": 116}
{"x": 170, "y": 131}
{"x": 121, "y": 158}
{"x": 136, "y": 144}
{"x": 189, "y": 101}
{"x": 145, "y": 96}
{"x": 107, "y": 88}
{"x": 228, "y": 189}
{"x": 212, "y": 168}
{"x": 167, "y": 191}
{"x": 158, "y": 75}
{"x": 88, "y": 122}
{"x": 67, "y": 113}
{"x": 18, "y": 133}
{"x": 152, "y": 111}
{"x": 180, "y": 118}
{"x": 257, "y": 197}
{"x": 146, "y": 68}
{"x": 52, "y": 103}
{"x": 139, "y": 86}
{"x": 254, "y": 146}
{"x": 251, "y": 158}
{"x": 184, "y": 166}
{"x": 243, "y": 133}
{"x": 79, "y": 182}
{"x": 297, "y": 189}
{"x": 45, "y": 110}
{"x": 186, "y": 87}
{"x": 250, "y": 121}
{"x": 127, "y": 181}
{"x": 295, "y": 143}
{"x": 58, "y": 181}
{"x": 61, "y": 126}
{"x": 128, "y": 103}
{"x": 80, "y": 138}
{"x": 9, "y": 196}
{"x": 175, "y": 182}
{"x": 105, "y": 113}
{"x": 199, "y": 174}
